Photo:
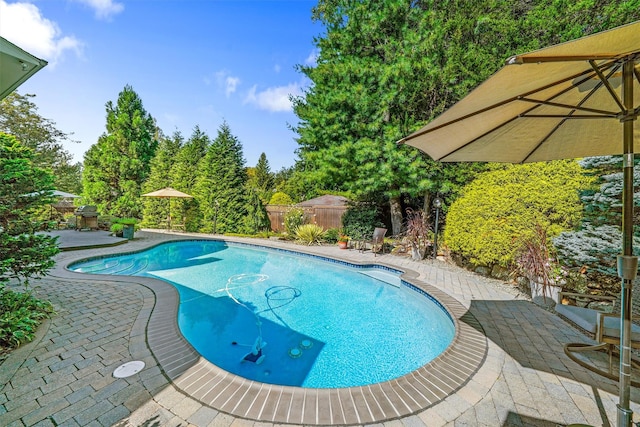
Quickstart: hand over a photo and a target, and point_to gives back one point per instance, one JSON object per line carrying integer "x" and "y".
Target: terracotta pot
{"x": 343, "y": 245}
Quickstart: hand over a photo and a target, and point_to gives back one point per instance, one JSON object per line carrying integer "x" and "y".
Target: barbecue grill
{"x": 86, "y": 217}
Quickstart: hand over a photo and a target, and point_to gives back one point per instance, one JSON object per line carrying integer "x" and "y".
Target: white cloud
{"x": 231, "y": 83}
{"x": 273, "y": 99}
{"x": 225, "y": 82}
{"x": 23, "y": 25}
{"x": 103, "y": 9}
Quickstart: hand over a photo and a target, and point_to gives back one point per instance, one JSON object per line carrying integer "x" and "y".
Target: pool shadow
{"x": 224, "y": 332}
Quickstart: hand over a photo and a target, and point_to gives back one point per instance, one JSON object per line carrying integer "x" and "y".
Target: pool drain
{"x": 295, "y": 352}
{"x": 128, "y": 369}
{"x": 305, "y": 344}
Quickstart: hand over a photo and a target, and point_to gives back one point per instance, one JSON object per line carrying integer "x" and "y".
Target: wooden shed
{"x": 325, "y": 211}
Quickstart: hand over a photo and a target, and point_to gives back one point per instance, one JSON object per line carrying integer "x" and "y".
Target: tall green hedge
{"x": 486, "y": 224}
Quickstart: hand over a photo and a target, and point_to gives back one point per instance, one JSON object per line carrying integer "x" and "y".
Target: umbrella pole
{"x": 627, "y": 263}
{"x": 169, "y": 215}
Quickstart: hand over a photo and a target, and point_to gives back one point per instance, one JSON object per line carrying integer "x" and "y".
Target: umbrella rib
{"x": 605, "y": 81}
{"x": 570, "y": 107}
{"x": 532, "y": 59}
{"x": 614, "y": 68}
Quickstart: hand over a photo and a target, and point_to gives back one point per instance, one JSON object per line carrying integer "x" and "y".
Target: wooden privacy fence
{"x": 324, "y": 216}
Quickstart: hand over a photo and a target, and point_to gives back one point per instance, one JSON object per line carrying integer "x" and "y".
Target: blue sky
{"x": 192, "y": 62}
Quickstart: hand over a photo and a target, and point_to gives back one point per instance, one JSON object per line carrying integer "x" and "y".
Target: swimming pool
{"x": 344, "y": 328}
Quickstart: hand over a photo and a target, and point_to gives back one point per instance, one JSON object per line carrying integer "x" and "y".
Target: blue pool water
{"x": 325, "y": 325}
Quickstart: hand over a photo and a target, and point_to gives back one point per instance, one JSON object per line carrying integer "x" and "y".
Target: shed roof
{"x": 326, "y": 200}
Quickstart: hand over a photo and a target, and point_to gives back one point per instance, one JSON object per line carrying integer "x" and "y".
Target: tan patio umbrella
{"x": 168, "y": 193}
{"x": 571, "y": 100}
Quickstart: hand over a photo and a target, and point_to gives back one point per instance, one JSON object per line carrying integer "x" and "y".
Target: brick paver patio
{"x": 64, "y": 377}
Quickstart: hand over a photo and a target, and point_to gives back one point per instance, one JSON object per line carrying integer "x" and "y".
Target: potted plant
{"x": 124, "y": 227}
{"x": 536, "y": 262}
{"x": 343, "y": 241}
{"x": 116, "y": 229}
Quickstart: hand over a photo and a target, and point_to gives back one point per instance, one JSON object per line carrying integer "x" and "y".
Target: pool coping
{"x": 212, "y": 386}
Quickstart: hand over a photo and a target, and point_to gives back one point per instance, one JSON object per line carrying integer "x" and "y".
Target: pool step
{"x": 392, "y": 279}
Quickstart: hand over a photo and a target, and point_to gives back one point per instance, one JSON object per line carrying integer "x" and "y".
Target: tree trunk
{"x": 426, "y": 205}
{"x": 396, "y": 215}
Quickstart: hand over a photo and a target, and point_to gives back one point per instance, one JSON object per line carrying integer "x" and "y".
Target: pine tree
{"x": 156, "y": 211}
{"x": 263, "y": 179}
{"x": 220, "y": 187}
{"x": 119, "y": 163}
{"x": 184, "y": 174}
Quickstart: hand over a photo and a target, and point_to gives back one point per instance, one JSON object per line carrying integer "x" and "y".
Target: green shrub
{"x": 310, "y": 234}
{"x": 501, "y": 207}
{"x": 331, "y": 235}
{"x": 360, "y": 220}
{"x": 280, "y": 198}
{"x": 126, "y": 221}
{"x": 20, "y": 315}
{"x": 293, "y": 219}
{"x": 117, "y": 228}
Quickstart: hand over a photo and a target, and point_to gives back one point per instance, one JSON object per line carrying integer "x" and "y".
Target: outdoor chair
{"x": 377, "y": 241}
{"x": 601, "y": 326}
{"x": 178, "y": 226}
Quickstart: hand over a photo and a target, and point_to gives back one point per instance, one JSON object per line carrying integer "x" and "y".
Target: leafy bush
{"x": 310, "y": 234}
{"x": 331, "y": 235}
{"x": 293, "y": 219}
{"x": 501, "y": 207}
{"x": 280, "y": 198}
{"x": 126, "y": 221}
{"x": 20, "y": 315}
{"x": 360, "y": 220}
{"x": 117, "y": 228}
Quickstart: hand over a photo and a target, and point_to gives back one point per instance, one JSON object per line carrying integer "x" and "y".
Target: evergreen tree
{"x": 262, "y": 179}
{"x": 598, "y": 241}
{"x": 19, "y": 117}
{"x": 184, "y": 174}
{"x": 220, "y": 187}
{"x": 156, "y": 211}
{"x": 23, "y": 253}
{"x": 257, "y": 218}
{"x": 375, "y": 79}
{"x": 116, "y": 167}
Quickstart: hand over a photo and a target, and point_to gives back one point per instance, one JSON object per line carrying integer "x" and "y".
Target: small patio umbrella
{"x": 571, "y": 100}
{"x": 168, "y": 193}
{"x": 53, "y": 194}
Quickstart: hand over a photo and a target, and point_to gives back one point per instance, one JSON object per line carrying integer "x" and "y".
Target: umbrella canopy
{"x": 570, "y": 100}
{"x": 168, "y": 192}
{"x": 16, "y": 66}
{"x": 54, "y": 193}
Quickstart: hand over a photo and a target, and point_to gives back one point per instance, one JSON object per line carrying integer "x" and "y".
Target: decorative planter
{"x": 550, "y": 296}
{"x": 127, "y": 231}
{"x": 343, "y": 245}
